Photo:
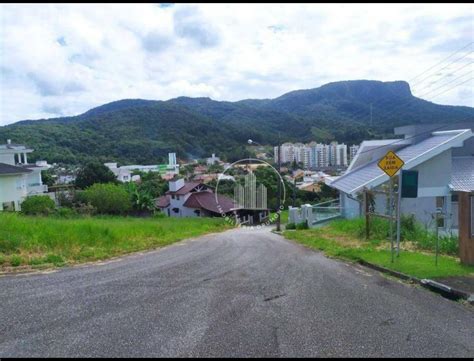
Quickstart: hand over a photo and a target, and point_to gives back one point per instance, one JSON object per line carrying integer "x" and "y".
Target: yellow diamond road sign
{"x": 391, "y": 163}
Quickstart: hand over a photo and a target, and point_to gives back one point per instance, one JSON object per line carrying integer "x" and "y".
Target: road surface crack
{"x": 273, "y": 297}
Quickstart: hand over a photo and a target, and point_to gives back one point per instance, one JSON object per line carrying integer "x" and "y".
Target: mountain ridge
{"x": 141, "y": 130}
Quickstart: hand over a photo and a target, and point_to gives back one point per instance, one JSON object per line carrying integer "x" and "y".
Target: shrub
{"x": 85, "y": 209}
{"x": 302, "y": 225}
{"x": 290, "y": 226}
{"x": 108, "y": 198}
{"x": 38, "y": 205}
{"x": 15, "y": 260}
{"x": 65, "y": 212}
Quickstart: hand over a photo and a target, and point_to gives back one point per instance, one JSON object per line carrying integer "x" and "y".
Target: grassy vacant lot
{"x": 343, "y": 239}
{"x": 45, "y": 241}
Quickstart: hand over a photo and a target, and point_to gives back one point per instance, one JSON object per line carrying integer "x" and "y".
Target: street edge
{"x": 440, "y": 288}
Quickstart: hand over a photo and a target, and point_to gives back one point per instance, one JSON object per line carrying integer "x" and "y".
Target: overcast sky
{"x": 65, "y": 59}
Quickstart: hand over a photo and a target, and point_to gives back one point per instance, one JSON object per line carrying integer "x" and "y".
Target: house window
{"x": 8, "y": 206}
{"x": 198, "y": 212}
{"x": 177, "y": 198}
{"x": 172, "y": 196}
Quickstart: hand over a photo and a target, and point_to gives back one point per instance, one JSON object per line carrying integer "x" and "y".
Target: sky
{"x": 63, "y": 59}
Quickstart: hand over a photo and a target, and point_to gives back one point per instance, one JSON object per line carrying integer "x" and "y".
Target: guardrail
{"x": 315, "y": 214}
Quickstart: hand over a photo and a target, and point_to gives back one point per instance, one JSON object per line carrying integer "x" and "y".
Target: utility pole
{"x": 371, "y": 123}
{"x": 279, "y": 185}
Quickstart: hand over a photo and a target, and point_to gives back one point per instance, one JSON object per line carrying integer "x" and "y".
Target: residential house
{"x": 18, "y": 178}
{"x": 443, "y": 157}
{"x": 213, "y": 160}
{"x": 196, "y": 199}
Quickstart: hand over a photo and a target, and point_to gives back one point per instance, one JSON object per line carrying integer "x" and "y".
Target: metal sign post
{"x": 391, "y": 164}
{"x": 399, "y": 203}
{"x": 390, "y": 207}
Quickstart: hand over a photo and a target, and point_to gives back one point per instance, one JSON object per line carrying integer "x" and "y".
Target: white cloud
{"x": 65, "y": 59}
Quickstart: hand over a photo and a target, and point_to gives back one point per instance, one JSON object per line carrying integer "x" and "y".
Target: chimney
{"x": 176, "y": 184}
{"x": 9, "y": 141}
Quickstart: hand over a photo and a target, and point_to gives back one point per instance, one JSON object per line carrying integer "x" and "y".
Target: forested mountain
{"x": 144, "y": 131}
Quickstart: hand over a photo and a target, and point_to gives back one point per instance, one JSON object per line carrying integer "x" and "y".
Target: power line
{"x": 457, "y": 51}
{"x": 431, "y": 84}
{"x": 391, "y": 110}
{"x": 358, "y": 115}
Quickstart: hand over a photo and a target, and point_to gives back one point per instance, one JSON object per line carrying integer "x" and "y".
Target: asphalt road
{"x": 238, "y": 293}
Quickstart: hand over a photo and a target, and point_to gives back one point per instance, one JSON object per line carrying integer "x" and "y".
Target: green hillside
{"x": 144, "y": 131}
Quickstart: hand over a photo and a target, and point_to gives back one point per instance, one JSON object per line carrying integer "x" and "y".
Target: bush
{"x": 65, "y": 212}
{"x": 290, "y": 226}
{"x": 302, "y": 225}
{"x": 108, "y": 198}
{"x": 38, "y": 205}
{"x": 85, "y": 209}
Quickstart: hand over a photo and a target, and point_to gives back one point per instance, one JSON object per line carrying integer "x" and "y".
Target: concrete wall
{"x": 466, "y": 227}
{"x": 350, "y": 207}
{"x": 7, "y": 158}
{"x": 12, "y": 189}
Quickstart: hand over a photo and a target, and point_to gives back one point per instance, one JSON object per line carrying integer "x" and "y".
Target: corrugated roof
{"x": 370, "y": 175}
{"x": 11, "y": 169}
{"x": 462, "y": 178}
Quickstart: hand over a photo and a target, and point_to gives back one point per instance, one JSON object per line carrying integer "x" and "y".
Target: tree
{"x": 108, "y": 198}
{"x": 47, "y": 178}
{"x": 141, "y": 199}
{"x": 94, "y": 172}
{"x": 215, "y": 168}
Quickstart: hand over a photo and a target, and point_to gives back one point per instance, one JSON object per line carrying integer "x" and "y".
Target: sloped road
{"x": 238, "y": 293}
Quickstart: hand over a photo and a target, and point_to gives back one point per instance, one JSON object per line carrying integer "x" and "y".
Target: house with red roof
{"x": 196, "y": 199}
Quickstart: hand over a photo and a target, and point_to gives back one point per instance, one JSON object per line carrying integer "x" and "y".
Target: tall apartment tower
{"x": 353, "y": 149}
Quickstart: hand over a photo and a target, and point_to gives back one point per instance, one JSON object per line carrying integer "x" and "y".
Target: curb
{"x": 441, "y": 288}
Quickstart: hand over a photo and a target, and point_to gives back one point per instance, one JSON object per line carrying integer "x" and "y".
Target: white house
{"x": 18, "y": 178}
{"x": 193, "y": 199}
{"x": 212, "y": 160}
{"x": 443, "y": 157}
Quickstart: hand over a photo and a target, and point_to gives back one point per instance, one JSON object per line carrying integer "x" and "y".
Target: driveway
{"x": 237, "y": 293}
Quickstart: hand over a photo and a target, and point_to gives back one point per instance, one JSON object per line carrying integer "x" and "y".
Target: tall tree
{"x": 94, "y": 172}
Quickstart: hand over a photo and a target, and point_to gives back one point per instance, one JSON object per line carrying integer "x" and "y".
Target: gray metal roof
{"x": 370, "y": 175}
{"x": 7, "y": 169}
{"x": 462, "y": 178}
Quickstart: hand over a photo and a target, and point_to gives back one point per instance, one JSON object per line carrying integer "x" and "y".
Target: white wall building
{"x": 353, "y": 149}
{"x": 18, "y": 178}
{"x": 124, "y": 173}
{"x": 212, "y": 160}
{"x": 313, "y": 155}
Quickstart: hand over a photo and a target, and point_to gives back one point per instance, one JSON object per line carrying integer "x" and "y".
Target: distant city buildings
{"x": 353, "y": 149}
{"x": 314, "y": 155}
